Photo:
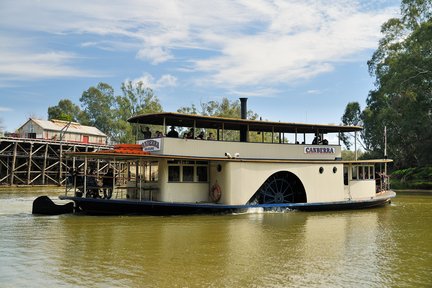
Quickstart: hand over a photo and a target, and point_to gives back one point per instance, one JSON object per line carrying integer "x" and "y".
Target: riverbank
{"x": 413, "y": 192}
{"x": 417, "y": 178}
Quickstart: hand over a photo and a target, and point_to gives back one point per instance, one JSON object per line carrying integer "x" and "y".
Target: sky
{"x": 295, "y": 61}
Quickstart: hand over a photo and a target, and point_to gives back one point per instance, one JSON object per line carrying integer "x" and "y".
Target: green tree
{"x": 65, "y": 110}
{"x": 98, "y": 103}
{"x": 349, "y": 155}
{"x": 136, "y": 99}
{"x": 351, "y": 117}
{"x": 224, "y": 108}
{"x": 402, "y": 100}
{"x": 188, "y": 110}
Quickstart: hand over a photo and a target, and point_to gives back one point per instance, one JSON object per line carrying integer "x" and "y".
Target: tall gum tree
{"x": 402, "y": 98}
{"x": 136, "y": 99}
{"x": 97, "y": 103}
{"x": 66, "y": 110}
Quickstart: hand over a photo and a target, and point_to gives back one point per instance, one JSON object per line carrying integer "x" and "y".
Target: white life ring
{"x": 215, "y": 193}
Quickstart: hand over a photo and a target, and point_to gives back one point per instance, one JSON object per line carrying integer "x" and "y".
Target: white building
{"x": 59, "y": 130}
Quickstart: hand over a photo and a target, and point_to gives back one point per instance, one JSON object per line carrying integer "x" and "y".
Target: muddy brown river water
{"x": 384, "y": 247}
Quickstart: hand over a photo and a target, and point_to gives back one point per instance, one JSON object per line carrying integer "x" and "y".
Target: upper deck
{"x": 243, "y": 150}
{"x": 275, "y": 146}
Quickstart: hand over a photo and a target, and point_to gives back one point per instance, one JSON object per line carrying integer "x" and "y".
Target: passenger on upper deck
{"x": 172, "y": 133}
{"x": 210, "y": 137}
{"x": 200, "y": 136}
{"x": 317, "y": 139}
{"x": 159, "y": 134}
{"x": 190, "y": 134}
{"x": 146, "y": 133}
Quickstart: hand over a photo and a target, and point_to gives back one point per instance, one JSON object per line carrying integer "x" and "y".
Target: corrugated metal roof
{"x": 58, "y": 125}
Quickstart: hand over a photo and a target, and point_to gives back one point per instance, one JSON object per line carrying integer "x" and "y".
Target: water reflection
{"x": 370, "y": 248}
{"x": 295, "y": 249}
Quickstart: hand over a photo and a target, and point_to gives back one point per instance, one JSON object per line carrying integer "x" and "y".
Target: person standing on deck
{"x": 172, "y": 133}
{"x": 107, "y": 184}
{"x": 92, "y": 185}
{"x": 147, "y": 133}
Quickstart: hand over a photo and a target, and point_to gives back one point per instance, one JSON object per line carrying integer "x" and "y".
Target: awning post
{"x": 355, "y": 144}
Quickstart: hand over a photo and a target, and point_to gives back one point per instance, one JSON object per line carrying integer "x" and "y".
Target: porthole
{"x": 334, "y": 169}
{"x": 321, "y": 170}
{"x": 219, "y": 168}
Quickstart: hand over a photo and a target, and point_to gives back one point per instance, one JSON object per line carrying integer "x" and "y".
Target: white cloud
{"x": 149, "y": 81}
{"x": 167, "y": 80}
{"x": 244, "y": 42}
{"x": 259, "y": 92}
{"x": 5, "y": 109}
{"x": 296, "y": 45}
{"x": 154, "y": 54}
{"x": 42, "y": 65}
{"x": 314, "y": 91}
{"x": 19, "y": 63}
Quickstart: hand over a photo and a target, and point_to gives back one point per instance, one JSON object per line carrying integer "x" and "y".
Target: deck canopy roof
{"x": 207, "y": 122}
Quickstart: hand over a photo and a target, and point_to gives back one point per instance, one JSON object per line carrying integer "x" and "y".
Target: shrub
{"x": 412, "y": 178}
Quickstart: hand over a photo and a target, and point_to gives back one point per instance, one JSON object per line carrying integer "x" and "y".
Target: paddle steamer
{"x": 249, "y": 164}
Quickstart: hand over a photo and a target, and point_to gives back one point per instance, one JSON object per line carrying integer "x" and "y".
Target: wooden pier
{"x": 26, "y": 161}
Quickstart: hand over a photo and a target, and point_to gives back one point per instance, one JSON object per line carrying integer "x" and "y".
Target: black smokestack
{"x": 243, "y": 108}
{"x": 243, "y": 115}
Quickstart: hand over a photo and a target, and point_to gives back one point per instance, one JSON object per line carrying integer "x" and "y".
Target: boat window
{"x": 360, "y": 173}
{"x": 346, "y": 175}
{"x": 150, "y": 171}
{"x": 173, "y": 173}
{"x": 365, "y": 172}
{"x": 354, "y": 173}
{"x": 188, "y": 173}
{"x": 202, "y": 173}
{"x": 154, "y": 171}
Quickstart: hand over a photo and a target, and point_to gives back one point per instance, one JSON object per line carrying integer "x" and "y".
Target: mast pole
{"x": 385, "y": 155}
